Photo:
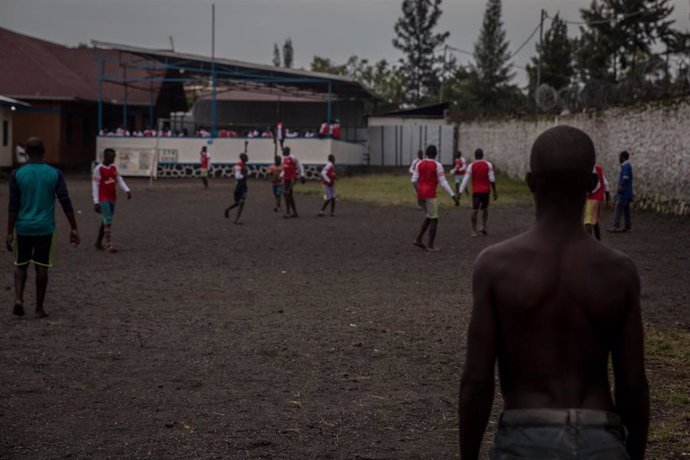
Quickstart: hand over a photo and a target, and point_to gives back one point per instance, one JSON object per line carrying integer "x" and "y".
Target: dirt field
{"x": 302, "y": 338}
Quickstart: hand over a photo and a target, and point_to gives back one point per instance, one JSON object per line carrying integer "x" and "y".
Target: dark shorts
{"x": 277, "y": 189}
{"x": 568, "y": 434}
{"x": 287, "y": 186}
{"x": 240, "y": 192}
{"x": 480, "y": 200}
{"x": 36, "y": 249}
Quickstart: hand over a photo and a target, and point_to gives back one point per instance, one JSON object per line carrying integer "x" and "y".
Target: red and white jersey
{"x": 239, "y": 170}
{"x": 205, "y": 160}
{"x": 104, "y": 181}
{"x": 459, "y": 167}
{"x": 280, "y": 131}
{"x": 602, "y": 187}
{"x": 428, "y": 174}
{"x": 413, "y": 167}
{"x": 481, "y": 172}
{"x": 324, "y": 130}
{"x": 328, "y": 174}
{"x": 336, "y": 131}
{"x": 292, "y": 168}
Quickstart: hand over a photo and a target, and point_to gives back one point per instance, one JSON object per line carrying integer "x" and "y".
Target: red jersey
{"x": 205, "y": 157}
{"x": 482, "y": 174}
{"x": 105, "y": 180}
{"x": 460, "y": 167}
{"x": 324, "y": 129}
{"x": 428, "y": 174}
{"x": 602, "y": 187}
{"x": 328, "y": 174}
{"x": 289, "y": 168}
{"x": 336, "y": 131}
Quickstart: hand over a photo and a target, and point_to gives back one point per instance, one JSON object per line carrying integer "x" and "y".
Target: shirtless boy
{"x": 550, "y": 307}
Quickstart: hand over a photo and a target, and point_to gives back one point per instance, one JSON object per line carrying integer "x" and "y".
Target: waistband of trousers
{"x": 560, "y": 417}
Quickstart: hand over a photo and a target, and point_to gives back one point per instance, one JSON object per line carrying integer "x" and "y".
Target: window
{"x": 5, "y": 133}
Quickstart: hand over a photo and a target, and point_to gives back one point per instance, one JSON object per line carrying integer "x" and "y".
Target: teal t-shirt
{"x": 33, "y": 188}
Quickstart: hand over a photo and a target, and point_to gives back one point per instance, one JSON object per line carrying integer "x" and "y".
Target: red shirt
{"x": 106, "y": 179}
{"x": 204, "y": 160}
{"x": 460, "y": 167}
{"x": 428, "y": 173}
{"x": 602, "y": 187}
{"x": 336, "y": 131}
{"x": 482, "y": 174}
{"x": 329, "y": 172}
{"x": 323, "y": 131}
{"x": 289, "y": 168}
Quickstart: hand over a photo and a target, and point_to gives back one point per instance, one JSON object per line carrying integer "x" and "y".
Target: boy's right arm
{"x": 63, "y": 196}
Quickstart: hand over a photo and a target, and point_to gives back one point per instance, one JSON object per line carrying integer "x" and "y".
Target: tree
{"x": 415, "y": 37}
{"x": 492, "y": 74}
{"x": 325, "y": 65}
{"x": 619, "y": 36}
{"x": 276, "y": 55}
{"x": 556, "y": 53}
{"x": 288, "y": 54}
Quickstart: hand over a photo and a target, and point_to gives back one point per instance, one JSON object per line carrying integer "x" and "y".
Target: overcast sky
{"x": 247, "y": 29}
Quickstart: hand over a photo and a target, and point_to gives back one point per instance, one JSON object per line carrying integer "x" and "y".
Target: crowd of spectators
{"x": 326, "y": 130}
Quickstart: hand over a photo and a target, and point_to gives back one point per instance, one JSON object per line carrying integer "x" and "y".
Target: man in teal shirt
{"x": 31, "y": 221}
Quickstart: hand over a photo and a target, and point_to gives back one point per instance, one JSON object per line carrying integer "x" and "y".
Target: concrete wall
{"x": 135, "y": 155}
{"x": 657, "y": 137}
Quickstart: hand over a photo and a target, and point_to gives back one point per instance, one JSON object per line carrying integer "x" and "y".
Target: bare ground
{"x": 302, "y": 338}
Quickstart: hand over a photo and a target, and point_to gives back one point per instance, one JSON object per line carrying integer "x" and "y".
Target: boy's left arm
{"x": 123, "y": 186}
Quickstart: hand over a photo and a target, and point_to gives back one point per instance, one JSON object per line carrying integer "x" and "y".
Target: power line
{"x": 536, "y": 29}
{"x": 601, "y": 21}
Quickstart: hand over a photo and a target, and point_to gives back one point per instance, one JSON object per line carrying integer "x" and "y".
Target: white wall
{"x": 135, "y": 155}
{"x": 6, "y": 151}
{"x": 657, "y": 137}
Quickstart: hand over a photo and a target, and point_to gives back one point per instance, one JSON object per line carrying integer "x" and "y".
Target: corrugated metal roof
{"x": 34, "y": 69}
{"x": 245, "y": 71}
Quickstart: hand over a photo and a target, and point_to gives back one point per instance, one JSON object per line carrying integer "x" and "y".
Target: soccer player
{"x": 31, "y": 222}
{"x": 550, "y": 307}
{"x": 328, "y": 181}
{"x": 104, "y": 192}
{"x": 593, "y": 204}
{"x": 413, "y": 167}
{"x": 274, "y": 172}
{"x": 292, "y": 170}
{"x": 459, "y": 170}
{"x": 483, "y": 181}
{"x": 428, "y": 174}
{"x": 625, "y": 194}
{"x": 205, "y": 165}
{"x": 241, "y": 173}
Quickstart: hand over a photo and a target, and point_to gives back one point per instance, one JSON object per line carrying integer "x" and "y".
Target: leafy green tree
{"x": 492, "y": 69}
{"x": 557, "y": 69}
{"x": 416, "y": 38}
{"x": 619, "y": 37}
{"x": 288, "y": 54}
{"x": 276, "y": 55}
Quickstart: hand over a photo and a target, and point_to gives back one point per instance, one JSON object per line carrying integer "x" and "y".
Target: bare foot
{"x": 99, "y": 246}
{"x": 433, "y": 250}
{"x": 40, "y": 313}
{"x": 112, "y": 250}
{"x": 237, "y": 223}
{"x": 18, "y": 309}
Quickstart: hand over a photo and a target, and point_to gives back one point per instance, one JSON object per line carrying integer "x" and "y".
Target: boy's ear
{"x": 529, "y": 178}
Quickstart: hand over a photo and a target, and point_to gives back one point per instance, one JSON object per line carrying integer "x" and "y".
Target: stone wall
{"x": 657, "y": 137}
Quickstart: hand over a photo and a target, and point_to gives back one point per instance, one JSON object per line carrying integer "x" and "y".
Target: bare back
{"x": 559, "y": 309}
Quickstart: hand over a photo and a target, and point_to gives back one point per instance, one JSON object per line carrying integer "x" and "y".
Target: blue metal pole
{"x": 330, "y": 108}
{"x": 151, "y": 122}
{"x": 214, "y": 106}
{"x": 124, "y": 107}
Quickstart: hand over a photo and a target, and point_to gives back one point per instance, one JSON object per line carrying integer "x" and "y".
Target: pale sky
{"x": 247, "y": 29}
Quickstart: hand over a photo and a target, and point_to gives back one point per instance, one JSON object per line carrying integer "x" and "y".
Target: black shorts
{"x": 36, "y": 249}
{"x": 287, "y": 186}
{"x": 240, "y": 192}
{"x": 480, "y": 201}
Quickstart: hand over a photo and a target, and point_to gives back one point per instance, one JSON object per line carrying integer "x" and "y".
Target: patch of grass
{"x": 396, "y": 190}
{"x": 668, "y": 368}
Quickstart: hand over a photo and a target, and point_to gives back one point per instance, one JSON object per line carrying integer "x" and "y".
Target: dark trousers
{"x": 623, "y": 211}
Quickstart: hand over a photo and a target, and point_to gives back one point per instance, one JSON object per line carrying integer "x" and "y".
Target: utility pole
{"x": 214, "y": 90}
{"x": 443, "y": 74}
{"x": 541, "y": 48}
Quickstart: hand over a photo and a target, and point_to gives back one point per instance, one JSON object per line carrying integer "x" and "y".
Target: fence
{"x": 398, "y": 145}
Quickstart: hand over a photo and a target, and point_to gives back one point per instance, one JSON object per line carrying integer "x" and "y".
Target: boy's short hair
{"x": 286, "y": 151}
{"x": 431, "y": 151}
